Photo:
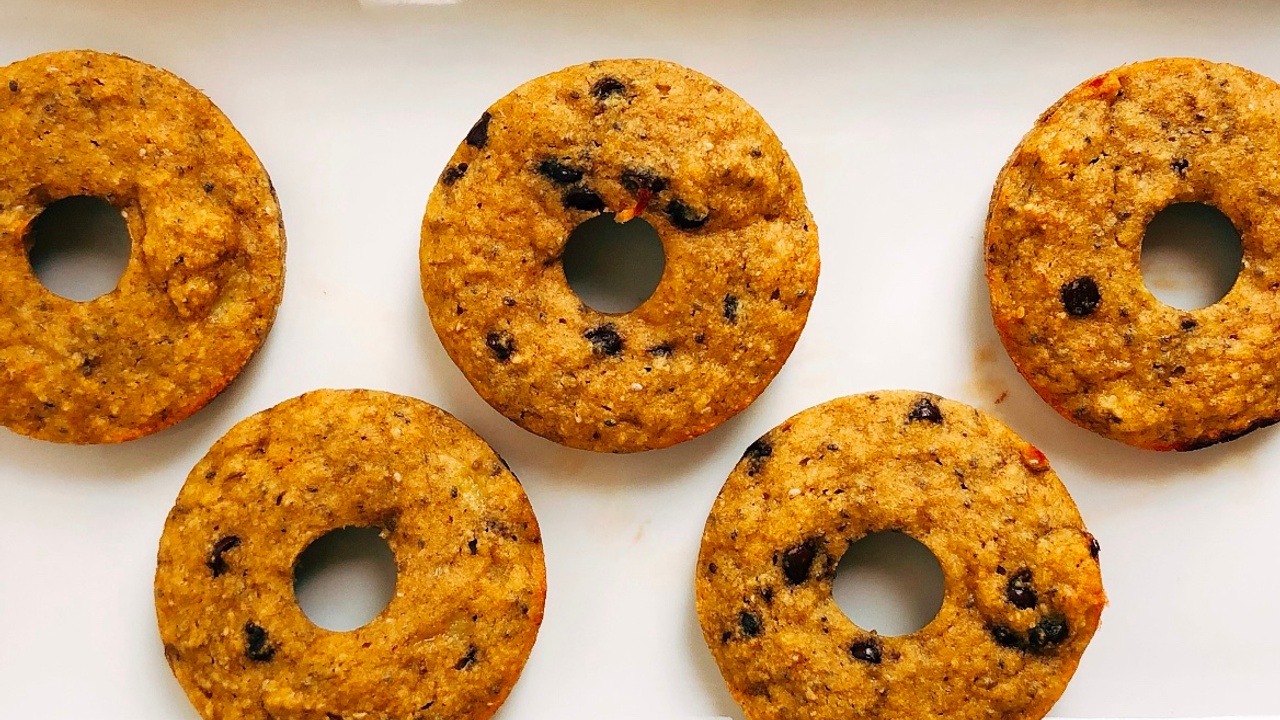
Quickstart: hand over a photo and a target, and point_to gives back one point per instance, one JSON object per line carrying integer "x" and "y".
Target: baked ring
{"x": 1023, "y": 591}
{"x": 206, "y": 269}
{"x": 642, "y": 138}
{"x": 1064, "y": 237}
{"x": 471, "y": 580}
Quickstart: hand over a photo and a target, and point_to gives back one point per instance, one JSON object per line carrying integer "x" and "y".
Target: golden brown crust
{"x": 471, "y": 580}
{"x": 697, "y": 163}
{"x": 1069, "y": 211}
{"x": 205, "y": 274}
{"x": 1023, "y": 592}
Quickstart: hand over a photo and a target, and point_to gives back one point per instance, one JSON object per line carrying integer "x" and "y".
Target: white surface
{"x": 898, "y": 114}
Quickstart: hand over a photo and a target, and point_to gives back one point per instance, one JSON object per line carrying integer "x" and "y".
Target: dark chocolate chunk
{"x": 712, "y": 569}
{"x": 1094, "y": 547}
{"x": 1180, "y": 166}
{"x": 1019, "y": 591}
{"x": 755, "y": 455}
{"x": 257, "y": 647}
{"x": 13, "y": 86}
{"x": 582, "y": 199}
{"x": 502, "y": 344}
{"x": 925, "y": 410}
{"x": 731, "y": 309}
{"x": 1048, "y": 632}
{"x": 798, "y": 561}
{"x": 606, "y": 86}
{"x": 867, "y": 651}
{"x": 1080, "y": 297}
{"x": 660, "y": 350}
{"x": 685, "y": 217}
{"x": 478, "y": 136}
{"x": 89, "y": 364}
{"x": 605, "y": 340}
{"x": 473, "y": 545}
{"x": 558, "y": 172}
{"x": 216, "y": 563}
{"x": 637, "y": 180}
{"x": 467, "y": 660}
{"x": 1005, "y": 637}
{"x": 453, "y": 174}
{"x": 750, "y": 622}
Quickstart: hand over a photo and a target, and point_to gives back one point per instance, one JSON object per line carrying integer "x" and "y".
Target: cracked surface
{"x": 639, "y": 138}
{"x": 1023, "y": 591}
{"x": 1064, "y": 240}
{"x": 205, "y": 273}
{"x": 470, "y": 584}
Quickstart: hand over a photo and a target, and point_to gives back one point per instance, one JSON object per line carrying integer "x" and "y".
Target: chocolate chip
{"x": 750, "y": 622}
{"x": 637, "y": 180}
{"x": 726, "y": 636}
{"x": 502, "y": 344}
{"x": 582, "y": 199}
{"x": 208, "y": 188}
{"x": 1048, "y": 632}
{"x": 867, "y": 651}
{"x": 558, "y": 172}
{"x": 13, "y": 86}
{"x": 925, "y": 410}
{"x": 798, "y": 561}
{"x": 453, "y": 174}
{"x": 1189, "y": 324}
{"x": 731, "y": 309}
{"x": 661, "y": 350}
{"x": 712, "y": 569}
{"x": 1005, "y": 637}
{"x": 1094, "y": 547}
{"x": 605, "y": 340}
{"x": 89, "y": 364}
{"x": 257, "y": 648}
{"x": 478, "y": 136}
{"x": 606, "y": 86}
{"x": 1180, "y": 166}
{"x": 1019, "y": 591}
{"x": 467, "y": 660}
{"x": 755, "y": 455}
{"x": 685, "y": 217}
{"x": 1080, "y": 297}
{"x": 473, "y": 546}
{"x": 216, "y": 563}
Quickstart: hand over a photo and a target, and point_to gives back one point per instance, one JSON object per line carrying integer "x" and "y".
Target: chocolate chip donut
{"x": 205, "y": 273}
{"x": 470, "y": 580}
{"x": 637, "y": 138}
{"x": 1064, "y": 237}
{"x": 1023, "y": 592}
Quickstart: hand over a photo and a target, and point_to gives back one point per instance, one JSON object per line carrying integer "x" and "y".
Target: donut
{"x": 1023, "y": 592}
{"x": 637, "y": 139}
{"x": 1064, "y": 236}
{"x": 206, "y": 268}
{"x": 470, "y": 585}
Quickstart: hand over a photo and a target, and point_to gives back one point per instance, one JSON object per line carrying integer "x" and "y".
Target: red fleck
{"x": 1034, "y": 459}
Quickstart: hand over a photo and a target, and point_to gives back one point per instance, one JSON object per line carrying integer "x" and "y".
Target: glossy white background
{"x": 898, "y": 115}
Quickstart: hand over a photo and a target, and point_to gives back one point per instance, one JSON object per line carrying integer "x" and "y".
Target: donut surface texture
{"x": 642, "y": 138}
{"x": 1064, "y": 240}
{"x": 205, "y": 272}
{"x": 470, "y": 582}
{"x": 1023, "y": 591}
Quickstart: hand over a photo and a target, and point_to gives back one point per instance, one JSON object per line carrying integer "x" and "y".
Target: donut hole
{"x": 613, "y": 267}
{"x": 889, "y": 582}
{"x": 79, "y": 247}
{"x": 1191, "y": 255}
{"x": 345, "y": 578}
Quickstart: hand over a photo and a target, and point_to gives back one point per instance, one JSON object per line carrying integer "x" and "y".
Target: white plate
{"x": 898, "y": 114}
